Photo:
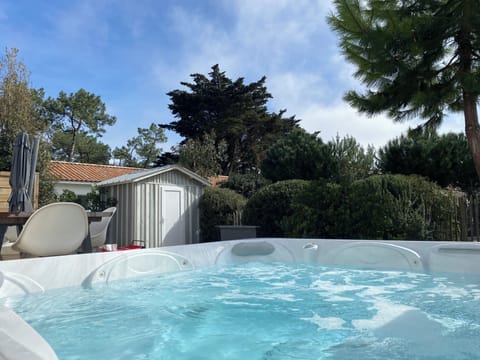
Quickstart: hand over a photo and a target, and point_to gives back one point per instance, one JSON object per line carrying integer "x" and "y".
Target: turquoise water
{"x": 263, "y": 311}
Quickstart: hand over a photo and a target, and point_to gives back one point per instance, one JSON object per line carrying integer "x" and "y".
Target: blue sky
{"x": 132, "y": 53}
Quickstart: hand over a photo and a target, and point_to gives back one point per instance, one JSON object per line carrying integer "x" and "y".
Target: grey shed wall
{"x": 139, "y": 209}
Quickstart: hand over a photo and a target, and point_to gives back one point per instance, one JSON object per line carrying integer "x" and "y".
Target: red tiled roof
{"x": 70, "y": 171}
{"x": 217, "y": 180}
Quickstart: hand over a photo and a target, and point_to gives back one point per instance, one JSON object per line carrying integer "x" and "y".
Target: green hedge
{"x": 390, "y": 207}
{"x": 272, "y": 205}
{"x": 399, "y": 207}
{"x": 218, "y": 207}
{"x": 319, "y": 212}
{"x": 245, "y": 184}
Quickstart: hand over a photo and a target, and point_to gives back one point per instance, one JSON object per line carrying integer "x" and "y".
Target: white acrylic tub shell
{"x": 19, "y": 341}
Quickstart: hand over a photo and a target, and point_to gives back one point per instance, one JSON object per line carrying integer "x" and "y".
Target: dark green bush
{"x": 319, "y": 211}
{"x": 245, "y": 184}
{"x": 95, "y": 200}
{"x": 398, "y": 207}
{"x": 272, "y": 205}
{"x": 390, "y": 207}
{"x": 219, "y": 207}
{"x": 444, "y": 159}
{"x": 298, "y": 155}
{"x": 68, "y": 196}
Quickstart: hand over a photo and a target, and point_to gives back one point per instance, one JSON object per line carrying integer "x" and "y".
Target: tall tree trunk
{"x": 72, "y": 149}
{"x": 466, "y": 55}
{"x": 472, "y": 128}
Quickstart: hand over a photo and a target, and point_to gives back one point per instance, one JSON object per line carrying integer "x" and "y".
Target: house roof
{"x": 145, "y": 174}
{"x": 89, "y": 173}
{"x": 217, "y": 180}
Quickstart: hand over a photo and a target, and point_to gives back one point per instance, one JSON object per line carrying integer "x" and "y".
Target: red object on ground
{"x": 130, "y": 247}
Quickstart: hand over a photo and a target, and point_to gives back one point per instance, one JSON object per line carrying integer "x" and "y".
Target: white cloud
{"x": 153, "y": 46}
{"x": 453, "y": 123}
{"x": 264, "y": 37}
{"x": 343, "y": 120}
{"x": 296, "y": 91}
{"x": 283, "y": 40}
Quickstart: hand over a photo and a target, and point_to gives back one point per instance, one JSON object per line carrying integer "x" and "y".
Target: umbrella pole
{"x": 36, "y": 142}
{"x": 3, "y": 230}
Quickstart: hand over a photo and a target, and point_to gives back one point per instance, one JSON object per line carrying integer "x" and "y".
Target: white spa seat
{"x": 55, "y": 229}
{"x": 376, "y": 255}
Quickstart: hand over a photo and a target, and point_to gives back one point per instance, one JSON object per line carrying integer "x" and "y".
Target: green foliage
{"x": 141, "y": 150}
{"x": 318, "y": 211}
{"x": 68, "y": 196}
{"x": 87, "y": 150}
{"x": 202, "y": 155}
{"x": 245, "y": 184}
{"x": 272, "y": 205}
{"x": 237, "y": 112}
{"x": 408, "y": 54}
{"x": 124, "y": 155}
{"x": 46, "y": 193}
{"x": 416, "y": 59}
{"x": 21, "y": 109}
{"x": 218, "y": 207}
{"x": 298, "y": 155}
{"x": 148, "y": 140}
{"x": 350, "y": 160}
{"x": 95, "y": 200}
{"x": 166, "y": 158}
{"x": 398, "y": 207}
{"x": 80, "y": 112}
{"x": 18, "y": 105}
{"x": 444, "y": 159}
{"x": 390, "y": 207}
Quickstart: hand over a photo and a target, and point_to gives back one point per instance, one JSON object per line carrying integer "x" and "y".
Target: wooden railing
{"x": 472, "y": 217}
{"x": 464, "y": 224}
{"x": 5, "y": 190}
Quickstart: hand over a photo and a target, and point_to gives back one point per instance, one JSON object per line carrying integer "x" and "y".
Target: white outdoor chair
{"x": 98, "y": 229}
{"x": 55, "y": 229}
{"x": 8, "y": 240}
{"x": 11, "y": 234}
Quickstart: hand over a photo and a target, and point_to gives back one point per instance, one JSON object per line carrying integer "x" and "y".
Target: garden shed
{"x": 156, "y": 206}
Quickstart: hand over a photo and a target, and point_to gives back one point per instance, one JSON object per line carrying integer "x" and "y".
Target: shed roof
{"x": 145, "y": 174}
{"x": 89, "y": 173}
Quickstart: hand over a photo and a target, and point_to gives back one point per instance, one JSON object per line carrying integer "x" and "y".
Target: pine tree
{"x": 416, "y": 58}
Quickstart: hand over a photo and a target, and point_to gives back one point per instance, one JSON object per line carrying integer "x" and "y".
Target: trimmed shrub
{"x": 245, "y": 184}
{"x": 318, "y": 211}
{"x": 399, "y": 207}
{"x": 272, "y": 205}
{"x": 218, "y": 207}
{"x": 390, "y": 207}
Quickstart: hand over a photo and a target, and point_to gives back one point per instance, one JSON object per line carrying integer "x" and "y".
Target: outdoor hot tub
{"x": 259, "y": 298}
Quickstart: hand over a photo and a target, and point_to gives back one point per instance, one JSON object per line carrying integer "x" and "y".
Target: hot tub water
{"x": 263, "y": 311}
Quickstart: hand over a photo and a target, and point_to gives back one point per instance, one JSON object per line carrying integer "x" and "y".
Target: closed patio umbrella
{"x": 20, "y": 199}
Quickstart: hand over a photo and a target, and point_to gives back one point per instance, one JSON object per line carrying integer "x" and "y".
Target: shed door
{"x": 173, "y": 224}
